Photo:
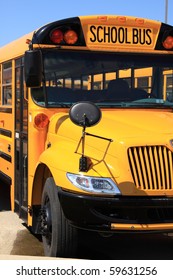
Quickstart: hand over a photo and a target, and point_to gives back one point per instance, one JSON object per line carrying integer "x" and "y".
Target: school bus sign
{"x": 112, "y": 36}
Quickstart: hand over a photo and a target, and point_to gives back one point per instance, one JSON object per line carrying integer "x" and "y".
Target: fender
{"x": 61, "y": 157}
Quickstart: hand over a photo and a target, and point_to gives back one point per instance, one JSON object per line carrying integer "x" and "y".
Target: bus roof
{"x": 15, "y": 48}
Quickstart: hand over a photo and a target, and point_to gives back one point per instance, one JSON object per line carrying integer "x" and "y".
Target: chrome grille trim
{"x": 151, "y": 167}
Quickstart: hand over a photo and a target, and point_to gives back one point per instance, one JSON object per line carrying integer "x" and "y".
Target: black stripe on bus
{"x": 6, "y": 110}
{"x": 5, "y": 178}
{"x": 5, "y": 156}
{"x": 5, "y": 132}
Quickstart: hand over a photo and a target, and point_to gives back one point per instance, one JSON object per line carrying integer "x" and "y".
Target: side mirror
{"x": 85, "y": 114}
{"x": 33, "y": 67}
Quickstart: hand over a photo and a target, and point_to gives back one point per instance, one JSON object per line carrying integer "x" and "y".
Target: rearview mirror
{"x": 85, "y": 114}
{"x": 33, "y": 68}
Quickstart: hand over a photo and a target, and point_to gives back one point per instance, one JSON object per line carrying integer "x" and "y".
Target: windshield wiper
{"x": 59, "y": 104}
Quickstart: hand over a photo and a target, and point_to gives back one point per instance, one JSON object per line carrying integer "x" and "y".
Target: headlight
{"x": 94, "y": 184}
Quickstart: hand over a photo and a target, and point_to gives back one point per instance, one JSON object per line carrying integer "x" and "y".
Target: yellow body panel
{"x": 15, "y": 49}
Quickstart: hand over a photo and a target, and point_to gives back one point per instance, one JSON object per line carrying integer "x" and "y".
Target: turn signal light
{"x": 168, "y": 43}
{"x": 41, "y": 120}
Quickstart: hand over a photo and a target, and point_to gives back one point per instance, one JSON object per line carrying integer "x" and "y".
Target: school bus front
{"x": 106, "y": 116}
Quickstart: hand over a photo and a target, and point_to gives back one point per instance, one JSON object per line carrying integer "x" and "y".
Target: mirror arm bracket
{"x": 85, "y": 114}
{"x": 97, "y": 136}
{"x": 84, "y": 161}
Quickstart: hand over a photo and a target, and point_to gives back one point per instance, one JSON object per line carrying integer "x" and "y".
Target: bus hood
{"x": 141, "y": 135}
{"x": 128, "y": 126}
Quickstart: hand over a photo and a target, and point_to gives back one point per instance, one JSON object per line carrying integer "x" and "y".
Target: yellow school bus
{"x": 86, "y": 128}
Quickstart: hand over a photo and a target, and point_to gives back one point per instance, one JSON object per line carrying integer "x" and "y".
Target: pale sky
{"x": 19, "y": 17}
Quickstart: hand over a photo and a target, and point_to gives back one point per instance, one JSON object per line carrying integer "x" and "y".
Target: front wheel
{"x": 60, "y": 239}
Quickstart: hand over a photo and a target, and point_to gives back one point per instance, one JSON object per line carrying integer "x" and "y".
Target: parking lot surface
{"x": 15, "y": 238}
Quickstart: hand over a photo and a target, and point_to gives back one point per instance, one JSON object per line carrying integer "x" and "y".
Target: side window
{"x": 169, "y": 85}
{"x": 21, "y": 103}
{"x": 6, "y": 83}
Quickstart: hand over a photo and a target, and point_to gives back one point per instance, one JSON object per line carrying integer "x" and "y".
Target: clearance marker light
{"x": 102, "y": 18}
{"x": 28, "y": 41}
{"x": 41, "y": 120}
{"x": 168, "y": 43}
{"x": 122, "y": 19}
{"x": 140, "y": 21}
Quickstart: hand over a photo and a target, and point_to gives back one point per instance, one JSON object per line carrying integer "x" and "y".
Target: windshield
{"x": 107, "y": 79}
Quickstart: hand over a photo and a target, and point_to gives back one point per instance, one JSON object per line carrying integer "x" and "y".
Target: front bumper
{"x": 120, "y": 213}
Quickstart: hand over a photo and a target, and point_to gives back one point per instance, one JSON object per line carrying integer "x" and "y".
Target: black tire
{"x": 60, "y": 239}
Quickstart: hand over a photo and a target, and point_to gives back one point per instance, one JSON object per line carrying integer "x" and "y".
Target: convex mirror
{"x": 85, "y": 114}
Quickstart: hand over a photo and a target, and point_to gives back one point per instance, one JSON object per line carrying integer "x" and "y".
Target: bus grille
{"x": 151, "y": 167}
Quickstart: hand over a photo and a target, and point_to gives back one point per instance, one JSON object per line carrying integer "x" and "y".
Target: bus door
{"x": 21, "y": 139}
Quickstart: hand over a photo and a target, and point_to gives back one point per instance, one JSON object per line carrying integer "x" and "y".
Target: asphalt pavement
{"x": 16, "y": 239}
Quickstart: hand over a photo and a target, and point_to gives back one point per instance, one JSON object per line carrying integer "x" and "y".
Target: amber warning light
{"x": 57, "y": 36}
{"x": 168, "y": 42}
{"x": 41, "y": 121}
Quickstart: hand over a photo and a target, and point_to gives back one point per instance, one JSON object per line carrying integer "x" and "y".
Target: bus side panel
{"x": 6, "y": 152}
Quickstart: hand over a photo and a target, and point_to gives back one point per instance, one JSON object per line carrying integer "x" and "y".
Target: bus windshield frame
{"x": 73, "y": 76}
